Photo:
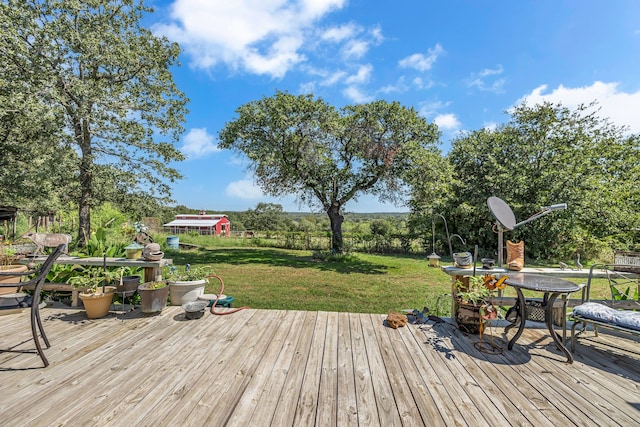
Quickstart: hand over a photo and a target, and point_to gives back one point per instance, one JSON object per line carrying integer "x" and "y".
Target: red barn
{"x": 203, "y": 223}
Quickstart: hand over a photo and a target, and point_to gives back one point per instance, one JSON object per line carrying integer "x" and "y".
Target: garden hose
{"x": 213, "y": 306}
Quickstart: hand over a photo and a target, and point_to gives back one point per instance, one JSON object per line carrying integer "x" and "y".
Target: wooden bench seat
{"x": 62, "y": 287}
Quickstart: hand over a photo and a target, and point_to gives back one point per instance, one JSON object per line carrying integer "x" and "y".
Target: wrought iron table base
{"x": 521, "y": 308}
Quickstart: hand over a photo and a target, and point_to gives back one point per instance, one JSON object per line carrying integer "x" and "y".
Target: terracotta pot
{"x": 98, "y": 304}
{"x": 14, "y": 268}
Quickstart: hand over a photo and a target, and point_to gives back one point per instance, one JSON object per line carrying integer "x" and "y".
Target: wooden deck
{"x": 284, "y": 368}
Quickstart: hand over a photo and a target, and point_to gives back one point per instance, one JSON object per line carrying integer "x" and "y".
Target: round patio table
{"x": 552, "y": 287}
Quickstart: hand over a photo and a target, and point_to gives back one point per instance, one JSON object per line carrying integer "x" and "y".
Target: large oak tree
{"x": 106, "y": 80}
{"x": 300, "y": 145}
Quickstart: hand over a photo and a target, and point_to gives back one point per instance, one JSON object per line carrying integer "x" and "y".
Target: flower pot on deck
{"x": 152, "y": 298}
{"x": 468, "y": 317}
{"x": 127, "y": 286}
{"x": 187, "y": 291}
{"x": 12, "y": 268}
{"x": 98, "y": 304}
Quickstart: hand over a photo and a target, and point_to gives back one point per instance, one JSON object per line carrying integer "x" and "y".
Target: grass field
{"x": 271, "y": 278}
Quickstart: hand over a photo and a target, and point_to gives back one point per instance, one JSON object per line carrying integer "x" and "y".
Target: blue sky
{"x": 461, "y": 64}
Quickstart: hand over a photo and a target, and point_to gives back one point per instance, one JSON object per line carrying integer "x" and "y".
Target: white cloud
{"x": 447, "y": 122}
{"x": 620, "y": 107}
{"x": 362, "y": 76}
{"x": 308, "y": 87}
{"x": 262, "y": 37}
{"x": 356, "y": 95}
{"x": 376, "y": 34}
{"x": 399, "y": 86}
{"x": 198, "y": 143}
{"x": 420, "y": 61}
{"x": 419, "y": 83}
{"x": 334, "y": 78}
{"x": 428, "y": 109}
{"x": 244, "y": 189}
{"x": 338, "y": 34}
{"x": 482, "y": 80}
{"x": 490, "y": 126}
{"x": 355, "y": 49}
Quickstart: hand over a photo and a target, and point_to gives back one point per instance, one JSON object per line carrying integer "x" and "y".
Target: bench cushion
{"x": 600, "y": 312}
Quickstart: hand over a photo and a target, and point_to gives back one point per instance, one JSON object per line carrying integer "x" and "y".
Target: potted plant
{"x": 96, "y": 296}
{"x": 7, "y": 257}
{"x": 153, "y": 296}
{"x": 186, "y": 285}
{"x": 473, "y": 303}
{"x": 126, "y": 281}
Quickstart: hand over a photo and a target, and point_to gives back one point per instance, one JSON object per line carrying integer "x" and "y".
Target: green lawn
{"x": 271, "y": 278}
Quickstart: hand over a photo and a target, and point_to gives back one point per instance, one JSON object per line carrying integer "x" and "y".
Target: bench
{"x": 152, "y": 269}
{"x": 620, "y": 313}
{"x": 60, "y": 287}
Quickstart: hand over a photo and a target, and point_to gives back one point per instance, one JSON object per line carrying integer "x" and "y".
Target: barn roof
{"x": 192, "y": 223}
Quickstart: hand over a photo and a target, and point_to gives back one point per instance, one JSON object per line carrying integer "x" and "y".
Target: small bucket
{"x": 463, "y": 259}
{"x": 173, "y": 242}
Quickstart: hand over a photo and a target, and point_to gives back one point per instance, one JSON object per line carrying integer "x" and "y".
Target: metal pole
{"x": 500, "y": 244}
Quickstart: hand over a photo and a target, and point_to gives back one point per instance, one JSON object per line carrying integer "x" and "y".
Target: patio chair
{"x": 38, "y": 281}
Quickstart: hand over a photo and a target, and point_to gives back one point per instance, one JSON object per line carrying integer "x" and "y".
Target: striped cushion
{"x": 600, "y": 312}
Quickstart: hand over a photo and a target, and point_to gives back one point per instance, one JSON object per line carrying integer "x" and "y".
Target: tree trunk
{"x": 336, "y": 228}
{"x": 86, "y": 182}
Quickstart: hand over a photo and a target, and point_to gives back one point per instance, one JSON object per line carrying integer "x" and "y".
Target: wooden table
{"x": 152, "y": 269}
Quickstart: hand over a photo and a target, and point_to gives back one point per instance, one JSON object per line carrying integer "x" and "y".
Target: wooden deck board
{"x": 279, "y": 368}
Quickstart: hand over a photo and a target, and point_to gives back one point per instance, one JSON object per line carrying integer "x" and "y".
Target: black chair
{"x": 38, "y": 281}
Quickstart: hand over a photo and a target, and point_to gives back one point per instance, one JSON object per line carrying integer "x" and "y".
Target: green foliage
{"x": 266, "y": 217}
{"x": 303, "y": 146}
{"x": 108, "y": 216}
{"x": 96, "y": 245}
{"x": 106, "y": 107}
{"x": 187, "y": 273}
{"x": 327, "y": 256}
{"x": 157, "y": 285}
{"x": 545, "y": 155}
{"x": 475, "y": 293}
{"x": 89, "y": 278}
{"x": 380, "y": 227}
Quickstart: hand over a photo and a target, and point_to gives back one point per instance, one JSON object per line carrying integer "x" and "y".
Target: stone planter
{"x": 152, "y": 300}
{"x": 13, "y": 268}
{"x": 184, "y": 292}
{"x": 98, "y": 304}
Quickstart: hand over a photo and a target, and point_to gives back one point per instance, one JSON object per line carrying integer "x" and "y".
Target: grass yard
{"x": 269, "y": 278}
